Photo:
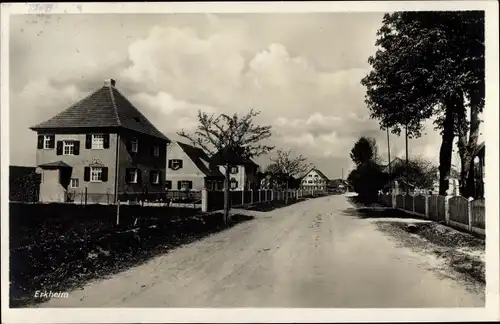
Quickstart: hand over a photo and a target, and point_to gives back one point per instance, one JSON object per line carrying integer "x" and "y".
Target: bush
{"x": 367, "y": 179}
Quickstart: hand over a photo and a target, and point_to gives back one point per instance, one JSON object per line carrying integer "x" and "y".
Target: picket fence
{"x": 214, "y": 200}
{"x": 456, "y": 211}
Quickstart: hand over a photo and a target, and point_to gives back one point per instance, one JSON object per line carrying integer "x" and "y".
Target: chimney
{"x": 109, "y": 83}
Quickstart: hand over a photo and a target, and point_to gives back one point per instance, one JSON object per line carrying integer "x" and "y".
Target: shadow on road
{"x": 272, "y": 205}
{"x": 377, "y": 212}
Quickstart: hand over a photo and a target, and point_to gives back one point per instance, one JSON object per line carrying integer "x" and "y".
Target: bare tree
{"x": 233, "y": 138}
{"x": 289, "y": 166}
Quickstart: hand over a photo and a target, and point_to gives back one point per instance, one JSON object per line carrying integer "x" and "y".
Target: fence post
{"x": 251, "y": 196}
{"x": 272, "y": 194}
{"x": 85, "y": 196}
{"x": 469, "y": 213}
{"x": 118, "y": 212}
{"x": 204, "y": 200}
{"x": 426, "y": 206}
{"x": 447, "y": 209}
{"x": 413, "y": 207}
{"x": 243, "y": 196}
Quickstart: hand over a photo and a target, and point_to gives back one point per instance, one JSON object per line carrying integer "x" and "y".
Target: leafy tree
{"x": 286, "y": 167}
{"x": 367, "y": 179}
{"x": 233, "y": 138}
{"x": 420, "y": 173}
{"x": 364, "y": 150}
{"x": 430, "y": 65}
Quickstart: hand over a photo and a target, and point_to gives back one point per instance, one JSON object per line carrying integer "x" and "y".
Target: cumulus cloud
{"x": 303, "y": 73}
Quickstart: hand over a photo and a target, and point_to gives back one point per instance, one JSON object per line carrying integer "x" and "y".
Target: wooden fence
{"x": 214, "y": 200}
{"x": 456, "y": 211}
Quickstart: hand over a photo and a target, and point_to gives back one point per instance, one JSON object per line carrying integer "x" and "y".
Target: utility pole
{"x": 389, "y": 153}
{"x": 406, "y": 140}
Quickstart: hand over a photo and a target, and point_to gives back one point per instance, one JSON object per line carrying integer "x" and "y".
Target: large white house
{"x": 314, "y": 179}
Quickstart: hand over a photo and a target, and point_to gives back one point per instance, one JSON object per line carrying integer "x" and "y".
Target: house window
{"x": 74, "y": 183}
{"x": 95, "y": 174}
{"x": 156, "y": 150}
{"x": 310, "y": 181}
{"x": 47, "y": 142}
{"x": 97, "y": 141}
{"x": 155, "y": 177}
{"x": 310, "y": 176}
{"x": 134, "y": 145}
{"x": 175, "y": 164}
{"x": 184, "y": 185}
{"x": 234, "y": 169}
{"x": 132, "y": 175}
{"x": 168, "y": 184}
{"x": 234, "y": 184}
{"x": 68, "y": 148}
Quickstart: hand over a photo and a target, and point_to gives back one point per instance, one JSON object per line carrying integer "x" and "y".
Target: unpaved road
{"x": 310, "y": 254}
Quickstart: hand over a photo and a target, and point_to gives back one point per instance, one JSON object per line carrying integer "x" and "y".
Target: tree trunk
{"x": 226, "y": 196}
{"x": 466, "y": 150}
{"x": 445, "y": 153}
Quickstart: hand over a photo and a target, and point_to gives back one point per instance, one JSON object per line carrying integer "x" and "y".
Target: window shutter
{"x": 59, "y": 150}
{"x": 168, "y": 184}
{"x": 190, "y": 184}
{"x": 106, "y": 141}
{"x": 139, "y": 176}
{"x": 88, "y": 141}
{"x": 40, "y": 142}
{"x": 129, "y": 145}
{"x": 86, "y": 174}
{"x": 179, "y": 183}
{"x": 151, "y": 176}
{"x": 180, "y": 164}
{"x": 152, "y": 150}
{"x": 170, "y": 164}
{"x": 76, "y": 150}
{"x": 160, "y": 179}
{"x": 104, "y": 174}
{"x": 127, "y": 175}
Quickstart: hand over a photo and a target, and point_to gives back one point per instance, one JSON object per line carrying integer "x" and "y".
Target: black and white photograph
{"x": 191, "y": 157}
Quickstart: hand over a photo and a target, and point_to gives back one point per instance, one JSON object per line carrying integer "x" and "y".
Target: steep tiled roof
{"x": 200, "y": 159}
{"x": 318, "y": 172}
{"x": 106, "y": 107}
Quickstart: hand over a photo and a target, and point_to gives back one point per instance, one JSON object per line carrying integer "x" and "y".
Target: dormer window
{"x": 234, "y": 170}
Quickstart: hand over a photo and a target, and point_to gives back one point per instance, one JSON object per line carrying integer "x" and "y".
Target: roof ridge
{"x": 114, "y": 104}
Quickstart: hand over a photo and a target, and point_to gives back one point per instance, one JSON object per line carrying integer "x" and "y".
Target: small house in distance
{"x": 243, "y": 173}
{"x": 102, "y": 144}
{"x": 314, "y": 180}
{"x": 190, "y": 168}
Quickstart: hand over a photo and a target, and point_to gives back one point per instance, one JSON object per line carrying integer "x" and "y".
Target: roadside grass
{"x": 67, "y": 262}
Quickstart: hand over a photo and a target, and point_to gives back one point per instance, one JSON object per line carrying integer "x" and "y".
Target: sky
{"x": 301, "y": 70}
